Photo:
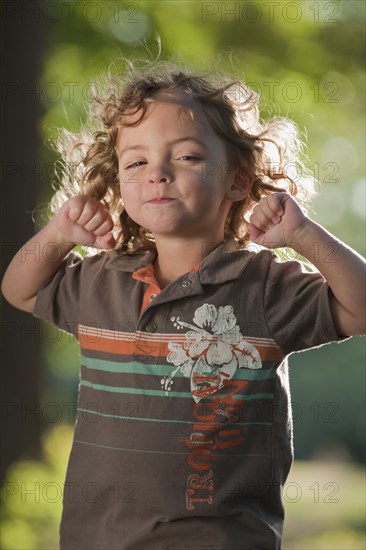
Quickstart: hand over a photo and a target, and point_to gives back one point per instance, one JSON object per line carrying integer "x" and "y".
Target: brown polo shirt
{"x": 183, "y": 436}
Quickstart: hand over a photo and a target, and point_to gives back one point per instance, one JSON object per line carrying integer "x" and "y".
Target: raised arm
{"x": 81, "y": 220}
{"x": 278, "y": 221}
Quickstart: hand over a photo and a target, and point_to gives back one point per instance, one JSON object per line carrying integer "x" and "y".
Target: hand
{"x": 85, "y": 221}
{"x": 276, "y": 221}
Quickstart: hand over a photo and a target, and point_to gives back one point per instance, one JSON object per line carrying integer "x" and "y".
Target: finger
{"x": 88, "y": 212}
{"x": 271, "y": 206}
{"x": 268, "y": 212}
{"x": 74, "y": 207}
{"x": 97, "y": 220}
{"x": 254, "y": 232}
{"x": 275, "y": 202}
{"x": 260, "y": 219}
{"x": 105, "y": 241}
{"x": 104, "y": 227}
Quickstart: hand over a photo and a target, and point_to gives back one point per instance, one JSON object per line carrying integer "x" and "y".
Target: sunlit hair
{"x": 267, "y": 154}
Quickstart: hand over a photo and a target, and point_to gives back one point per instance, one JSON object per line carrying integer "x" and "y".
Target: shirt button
{"x": 186, "y": 283}
{"x": 151, "y": 326}
{"x": 152, "y": 297}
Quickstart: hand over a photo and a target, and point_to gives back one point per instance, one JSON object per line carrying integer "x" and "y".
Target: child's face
{"x": 173, "y": 173}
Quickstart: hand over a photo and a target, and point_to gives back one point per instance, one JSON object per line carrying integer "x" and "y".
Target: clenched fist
{"x": 85, "y": 221}
{"x": 277, "y": 221}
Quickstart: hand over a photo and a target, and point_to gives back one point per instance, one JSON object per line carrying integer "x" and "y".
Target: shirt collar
{"x": 226, "y": 262}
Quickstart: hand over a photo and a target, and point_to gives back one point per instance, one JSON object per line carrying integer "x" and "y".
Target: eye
{"x": 189, "y": 157}
{"x": 135, "y": 164}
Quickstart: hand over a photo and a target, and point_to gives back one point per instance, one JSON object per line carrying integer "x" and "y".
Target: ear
{"x": 238, "y": 187}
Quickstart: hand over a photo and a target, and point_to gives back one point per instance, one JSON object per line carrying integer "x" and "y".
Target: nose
{"x": 160, "y": 173}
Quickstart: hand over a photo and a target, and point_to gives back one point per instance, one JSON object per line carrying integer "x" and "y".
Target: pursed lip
{"x": 160, "y": 200}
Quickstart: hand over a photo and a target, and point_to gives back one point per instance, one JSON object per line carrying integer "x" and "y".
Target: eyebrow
{"x": 174, "y": 142}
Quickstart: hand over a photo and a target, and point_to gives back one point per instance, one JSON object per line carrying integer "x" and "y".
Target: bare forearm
{"x": 81, "y": 220}
{"x": 33, "y": 265}
{"x": 343, "y": 269}
{"x": 277, "y": 221}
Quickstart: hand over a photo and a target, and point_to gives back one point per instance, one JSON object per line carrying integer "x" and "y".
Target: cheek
{"x": 128, "y": 203}
{"x": 128, "y": 185}
{"x": 211, "y": 188}
{"x": 126, "y": 197}
{"x": 126, "y": 180}
{"x": 131, "y": 203}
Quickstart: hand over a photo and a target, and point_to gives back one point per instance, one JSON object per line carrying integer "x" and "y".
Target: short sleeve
{"x": 58, "y": 300}
{"x": 297, "y": 307}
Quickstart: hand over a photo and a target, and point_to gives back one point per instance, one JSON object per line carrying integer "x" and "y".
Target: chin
{"x": 168, "y": 227}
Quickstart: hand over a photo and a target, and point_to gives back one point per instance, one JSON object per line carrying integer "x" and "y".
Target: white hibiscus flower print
{"x": 213, "y": 349}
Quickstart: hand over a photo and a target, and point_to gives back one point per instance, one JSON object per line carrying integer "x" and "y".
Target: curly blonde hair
{"x": 265, "y": 153}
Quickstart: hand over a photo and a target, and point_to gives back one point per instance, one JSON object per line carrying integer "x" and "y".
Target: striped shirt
{"x": 183, "y": 436}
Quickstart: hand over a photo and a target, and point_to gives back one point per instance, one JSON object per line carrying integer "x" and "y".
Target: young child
{"x": 183, "y": 436}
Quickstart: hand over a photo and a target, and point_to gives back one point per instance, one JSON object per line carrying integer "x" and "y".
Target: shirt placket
{"x": 152, "y": 319}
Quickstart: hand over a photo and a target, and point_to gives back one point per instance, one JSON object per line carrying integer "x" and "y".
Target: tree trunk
{"x": 23, "y": 33}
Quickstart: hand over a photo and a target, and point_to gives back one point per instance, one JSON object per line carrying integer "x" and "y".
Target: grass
{"x": 325, "y": 507}
{"x": 324, "y": 502}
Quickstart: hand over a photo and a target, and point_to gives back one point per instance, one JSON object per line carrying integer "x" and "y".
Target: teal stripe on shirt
{"x": 163, "y": 420}
{"x": 161, "y": 393}
{"x": 165, "y": 452}
{"x": 164, "y": 370}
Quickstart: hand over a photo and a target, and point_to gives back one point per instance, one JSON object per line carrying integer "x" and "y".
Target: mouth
{"x": 160, "y": 200}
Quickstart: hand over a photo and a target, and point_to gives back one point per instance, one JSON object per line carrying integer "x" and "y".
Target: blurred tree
{"x": 21, "y": 370}
{"x": 306, "y": 59}
{"x": 290, "y": 53}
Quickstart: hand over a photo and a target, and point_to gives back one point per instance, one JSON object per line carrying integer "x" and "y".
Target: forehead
{"x": 170, "y": 110}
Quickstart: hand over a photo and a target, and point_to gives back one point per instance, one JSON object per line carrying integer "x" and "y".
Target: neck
{"x": 175, "y": 257}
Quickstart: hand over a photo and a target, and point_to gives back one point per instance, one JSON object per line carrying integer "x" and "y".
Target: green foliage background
{"x": 306, "y": 58}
